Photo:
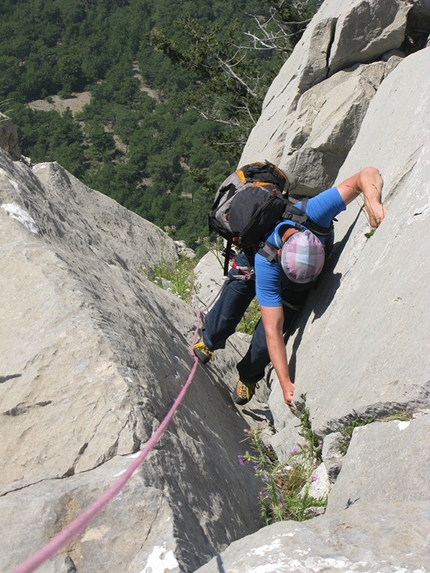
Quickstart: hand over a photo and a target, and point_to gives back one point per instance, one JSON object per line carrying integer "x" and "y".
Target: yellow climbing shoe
{"x": 243, "y": 393}
{"x": 202, "y": 353}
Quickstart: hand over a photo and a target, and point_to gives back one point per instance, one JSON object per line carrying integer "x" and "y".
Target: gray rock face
{"x": 140, "y": 512}
{"x": 209, "y": 279}
{"x": 370, "y": 308}
{"x": 377, "y": 520}
{"x": 401, "y": 474}
{"x": 313, "y": 111}
{"x": 365, "y": 30}
{"x": 341, "y": 542}
{"x": 326, "y": 124}
{"x": 92, "y": 357}
{"x": 331, "y": 455}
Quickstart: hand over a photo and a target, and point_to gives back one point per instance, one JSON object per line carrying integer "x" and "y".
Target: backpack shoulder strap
{"x": 268, "y": 251}
{"x": 298, "y": 216}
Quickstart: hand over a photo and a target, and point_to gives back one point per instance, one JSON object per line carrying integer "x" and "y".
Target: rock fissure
{"x": 23, "y": 408}
{"x": 379, "y": 412}
{"x": 4, "y": 379}
{"x": 333, "y": 25}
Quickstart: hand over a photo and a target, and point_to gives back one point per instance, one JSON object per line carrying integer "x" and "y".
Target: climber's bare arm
{"x": 369, "y": 182}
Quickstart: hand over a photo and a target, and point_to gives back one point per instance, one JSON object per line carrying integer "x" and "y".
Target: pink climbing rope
{"x": 79, "y": 524}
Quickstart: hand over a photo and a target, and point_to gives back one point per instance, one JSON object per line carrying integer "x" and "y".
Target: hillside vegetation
{"x": 175, "y": 88}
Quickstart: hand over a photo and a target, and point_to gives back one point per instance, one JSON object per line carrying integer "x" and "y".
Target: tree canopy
{"x": 175, "y": 89}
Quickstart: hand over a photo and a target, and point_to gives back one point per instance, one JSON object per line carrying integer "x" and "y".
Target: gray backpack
{"x": 249, "y": 203}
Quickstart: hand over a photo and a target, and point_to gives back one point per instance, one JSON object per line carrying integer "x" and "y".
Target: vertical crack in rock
{"x": 108, "y": 454}
{"x": 330, "y": 46}
{"x": 154, "y": 520}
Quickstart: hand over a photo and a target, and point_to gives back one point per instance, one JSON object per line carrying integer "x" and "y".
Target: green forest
{"x": 176, "y": 86}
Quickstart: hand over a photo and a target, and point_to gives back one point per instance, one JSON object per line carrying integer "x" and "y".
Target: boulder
{"x": 342, "y": 542}
{"x": 364, "y": 30}
{"x": 313, "y": 110}
{"x": 209, "y": 278}
{"x": 184, "y": 251}
{"x": 92, "y": 357}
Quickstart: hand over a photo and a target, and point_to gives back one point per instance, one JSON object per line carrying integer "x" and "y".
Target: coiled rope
{"x": 79, "y": 524}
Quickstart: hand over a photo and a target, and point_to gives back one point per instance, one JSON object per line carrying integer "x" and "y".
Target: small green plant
{"x": 249, "y": 320}
{"x": 206, "y": 244}
{"x": 347, "y": 430}
{"x": 177, "y": 277}
{"x": 360, "y": 200}
{"x": 306, "y": 429}
{"x": 286, "y": 485}
{"x": 401, "y": 415}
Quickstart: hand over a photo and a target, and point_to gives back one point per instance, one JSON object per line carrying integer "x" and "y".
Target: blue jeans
{"x": 222, "y": 320}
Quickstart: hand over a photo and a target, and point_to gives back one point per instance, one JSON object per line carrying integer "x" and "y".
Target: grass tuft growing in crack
{"x": 348, "y": 429}
{"x": 285, "y": 492}
{"x": 180, "y": 279}
{"x": 249, "y": 320}
{"x": 177, "y": 277}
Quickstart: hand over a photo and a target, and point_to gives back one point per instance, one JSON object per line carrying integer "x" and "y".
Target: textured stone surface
{"x": 331, "y": 455}
{"x": 92, "y": 357}
{"x": 351, "y": 348}
{"x": 402, "y": 451}
{"x": 122, "y": 538}
{"x": 365, "y": 30}
{"x": 326, "y": 124}
{"x": 209, "y": 281}
{"x": 320, "y": 486}
{"x": 363, "y": 539}
{"x": 285, "y": 440}
{"x": 341, "y": 35}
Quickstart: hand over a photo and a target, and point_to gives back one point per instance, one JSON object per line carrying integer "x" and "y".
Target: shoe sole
{"x": 240, "y": 401}
{"x": 203, "y": 358}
